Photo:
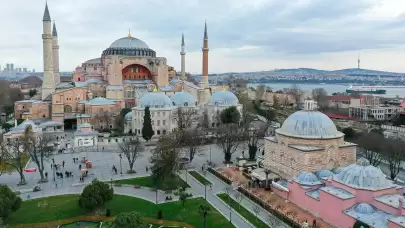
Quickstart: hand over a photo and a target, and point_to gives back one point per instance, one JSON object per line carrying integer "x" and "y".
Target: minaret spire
{"x": 205, "y": 50}
{"x": 55, "y": 54}
{"x": 205, "y": 31}
{"x": 183, "y": 58}
{"x": 54, "y": 31}
{"x": 48, "y": 82}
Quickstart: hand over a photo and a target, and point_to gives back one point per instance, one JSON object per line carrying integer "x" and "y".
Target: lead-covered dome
{"x": 129, "y": 46}
{"x": 128, "y": 116}
{"x": 183, "y": 99}
{"x": 364, "y": 208}
{"x": 155, "y": 100}
{"x": 310, "y": 125}
{"x": 307, "y": 178}
{"x": 224, "y": 98}
{"x": 363, "y": 175}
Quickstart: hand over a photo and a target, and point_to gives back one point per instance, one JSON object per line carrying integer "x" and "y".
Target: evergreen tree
{"x": 147, "y": 131}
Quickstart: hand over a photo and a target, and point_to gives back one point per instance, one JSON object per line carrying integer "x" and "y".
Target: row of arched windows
{"x": 129, "y": 52}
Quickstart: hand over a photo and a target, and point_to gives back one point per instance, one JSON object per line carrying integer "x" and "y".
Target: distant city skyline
{"x": 244, "y": 35}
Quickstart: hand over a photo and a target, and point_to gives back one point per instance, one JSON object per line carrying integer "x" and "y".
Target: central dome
{"x": 309, "y": 125}
{"x": 129, "y": 42}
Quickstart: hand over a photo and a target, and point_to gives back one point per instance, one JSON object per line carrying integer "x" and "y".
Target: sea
{"x": 330, "y": 88}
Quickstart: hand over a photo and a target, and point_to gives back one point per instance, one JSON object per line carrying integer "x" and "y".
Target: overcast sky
{"x": 244, "y": 35}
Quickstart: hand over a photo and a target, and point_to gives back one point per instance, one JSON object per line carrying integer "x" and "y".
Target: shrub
{"x": 10, "y": 202}
{"x": 95, "y": 194}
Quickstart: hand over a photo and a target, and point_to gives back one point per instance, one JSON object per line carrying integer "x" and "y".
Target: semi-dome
{"x": 223, "y": 98}
{"x": 183, "y": 99}
{"x": 307, "y": 178}
{"x": 128, "y": 116}
{"x": 310, "y": 125}
{"x": 364, "y": 208}
{"x": 129, "y": 42}
{"x": 129, "y": 46}
{"x": 363, "y": 175}
{"x": 324, "y": 173}
{"x": 155, "y": 100}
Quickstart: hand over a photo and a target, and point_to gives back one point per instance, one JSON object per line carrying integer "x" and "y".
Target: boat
{"x": 366, "y": 89}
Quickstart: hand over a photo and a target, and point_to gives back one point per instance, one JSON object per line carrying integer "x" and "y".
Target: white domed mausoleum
{"x": 307, "y": 141}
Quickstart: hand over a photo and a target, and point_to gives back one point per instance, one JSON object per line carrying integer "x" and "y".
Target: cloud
{"x": 243, "y": 35}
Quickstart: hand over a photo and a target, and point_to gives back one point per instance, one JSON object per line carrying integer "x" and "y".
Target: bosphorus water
{"x": 330, "y": 88}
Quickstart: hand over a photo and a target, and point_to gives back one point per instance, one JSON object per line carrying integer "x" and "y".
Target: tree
{"x": 229, "y": 139}
{"x": 296, "y": 92}
{"x": 131, "y": 150}
{"x": 120, "y": 119}
{"x": 183, "y": 196}
{"x": 147, "y": 130}
{"x": 32, "y": 92}
{"x": 3, "y": 225}
{"x": 10, "y": 202}
{"x": 128, "y": 220}
{"x": 6, "y": 126}
{"x": 204, "y": 209}
{"x": 394, "y": 155}
{"x": 239, "y": 198}
{"x": 184, "y": 118}
{"x": 193, "y": 141}
{"x": 256, "y": 209}
{"x": 104, "y": 117}
{"x": 14, "y": 157}
{"x": 260, "y": 90}
{"x": 321, "y": 97}
{"x": 230, "y": 115}
{"x": 349, "y": 132}
{"x": 276, "y": 101}
{"x": 95, "y": 195}
{"x": 372, "y": 147}
{"x": 39, "y": 149}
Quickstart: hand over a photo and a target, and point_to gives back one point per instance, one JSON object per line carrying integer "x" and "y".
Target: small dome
{"x": 364, "y": 208}
{"x": 128, "y": 116}
{"x": 223, "y": 98}
{"x": 307, "y": 178}
{"x": 155, "y": 100}
{"x": 309, "y": 125}
{"x": 183, "y": 99}
{"x": 129, "y": 42}
{"x": 363, "y": 175}
{"x": 324, "y": 173}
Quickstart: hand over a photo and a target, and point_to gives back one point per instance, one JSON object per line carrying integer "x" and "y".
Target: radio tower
{"x": 358, "y": 62}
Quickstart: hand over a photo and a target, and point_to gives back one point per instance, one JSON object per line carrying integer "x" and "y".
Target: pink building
{"x": 343, "y": 196}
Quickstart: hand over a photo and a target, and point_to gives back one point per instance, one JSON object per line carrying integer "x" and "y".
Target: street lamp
{"x": 121, "y": 163}
{"x": 205, "y": 191}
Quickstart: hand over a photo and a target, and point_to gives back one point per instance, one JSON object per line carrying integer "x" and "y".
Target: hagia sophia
{"x": 129, "y": 74}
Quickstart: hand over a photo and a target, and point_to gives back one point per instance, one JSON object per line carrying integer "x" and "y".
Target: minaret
{"x": 205, "y": 58}
{"x": 183, "y": 59}
{"x": 55, "y": 52}
{"x": 358, "y": 62}
{"x": 48, "y": 82}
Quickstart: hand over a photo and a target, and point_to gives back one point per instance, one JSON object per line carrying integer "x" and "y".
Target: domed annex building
{"x": 128, "y": 74}
{"x": 307, "y": 141}
{"x": 359, "y": 193}
{"x": 319, "y": 173}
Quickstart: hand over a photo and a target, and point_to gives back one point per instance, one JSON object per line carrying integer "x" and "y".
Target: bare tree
{"x": 238, "y": 197}
{"x": 192, "y": 142}
{"x": 13, "y": 152}
{"x": 185, "y": 117}
{"x": 321, "y": 97}
{"x": 104, "y": 117}
{"x": 260, "y": 90}
{"x": 229, "y": 137}
{"x": 256, "y": 209}
{"x": 276, "y": 101}
{"x": 39, "y": 149}
{"x": 394, "y": 155}
{"x": 131, "y": 149}
{"x": 372, "y": 147}
{"x": 296, "y": 92}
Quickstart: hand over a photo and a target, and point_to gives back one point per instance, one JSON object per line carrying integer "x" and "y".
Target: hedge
{"x": 220, "y": 176}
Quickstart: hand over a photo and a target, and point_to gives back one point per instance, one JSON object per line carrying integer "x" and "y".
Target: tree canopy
{"x": 128, "y": 220}
{"x": 10, "y": 202}
{"x": 95, "y": 194}
{"x": 147, "y": 130}
{"x": 230, "y": 115}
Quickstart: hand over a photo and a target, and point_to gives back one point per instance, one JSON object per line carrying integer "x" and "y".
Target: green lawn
{"x": 66, "y": 206}
{"x": 88, "y": 225}
{"x": 243, "y": 211}
{"x": 200, "y": 178}
{"x": 147, "y": 182}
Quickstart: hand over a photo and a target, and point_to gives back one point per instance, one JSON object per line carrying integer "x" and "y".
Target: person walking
{"x": 63, "y": 164}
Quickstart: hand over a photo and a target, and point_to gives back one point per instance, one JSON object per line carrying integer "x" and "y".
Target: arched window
{"x": 158, "y": 123}
{"x": 67, "y": 108}
{"x": 185, "y": 104}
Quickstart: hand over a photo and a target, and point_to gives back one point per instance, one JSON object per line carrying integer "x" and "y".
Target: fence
{"x": 57, "y": 223}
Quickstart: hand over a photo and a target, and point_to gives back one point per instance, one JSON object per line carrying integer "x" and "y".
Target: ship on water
{"x": 368, "y": 89}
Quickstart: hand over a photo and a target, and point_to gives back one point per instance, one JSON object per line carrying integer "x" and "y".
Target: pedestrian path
{"x": 198, "y": 189}
{"x": 219, "y": 187}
